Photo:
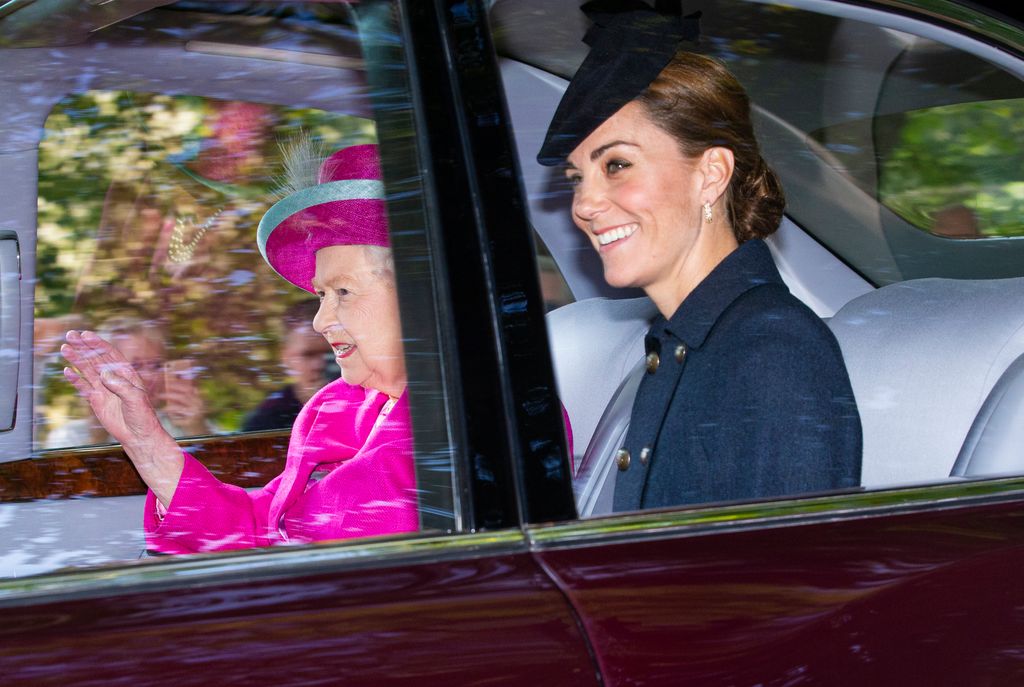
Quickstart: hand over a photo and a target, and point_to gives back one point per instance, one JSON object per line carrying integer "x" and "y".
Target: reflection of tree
{"x": 961, "y": 164}
{"x": 149, "y": 206}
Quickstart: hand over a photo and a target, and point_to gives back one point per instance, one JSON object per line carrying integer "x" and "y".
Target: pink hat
{"x": 344, "y": 208}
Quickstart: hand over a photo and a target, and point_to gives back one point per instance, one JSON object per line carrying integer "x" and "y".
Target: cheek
{"x": 359, "y": 321}
{"x": 637, "y": 197}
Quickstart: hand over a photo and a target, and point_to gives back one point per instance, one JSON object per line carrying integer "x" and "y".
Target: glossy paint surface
{"x": 923, "y": 598}
{"x": 480, "y": 621}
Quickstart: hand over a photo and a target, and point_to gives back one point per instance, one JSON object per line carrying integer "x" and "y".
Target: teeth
{"x": 616, "y": 234}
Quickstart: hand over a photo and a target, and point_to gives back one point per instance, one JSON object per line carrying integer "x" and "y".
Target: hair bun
{"x": 759, "y": 202}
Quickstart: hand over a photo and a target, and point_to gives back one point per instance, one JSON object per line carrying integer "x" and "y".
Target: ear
{"x": 716, "y": 164}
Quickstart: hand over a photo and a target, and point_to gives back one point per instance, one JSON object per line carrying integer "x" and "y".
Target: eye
{"x": 341, "y": 292}
{"x": 614, "y": 166}
{"x": 574, "y": 178}
{"x": 320, "y": 294}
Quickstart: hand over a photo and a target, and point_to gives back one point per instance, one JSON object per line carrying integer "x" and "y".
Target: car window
{"x": 927, "y": 131}
{"x": 899, "y": 146}
{"x": 147, "y": 208}
{"x": 143, "y": 160}
{"x": 949, "y": 170}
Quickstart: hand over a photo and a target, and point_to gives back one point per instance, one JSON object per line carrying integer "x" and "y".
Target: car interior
{"x": 934, "y": 360}
{"x": 935, "y": 349}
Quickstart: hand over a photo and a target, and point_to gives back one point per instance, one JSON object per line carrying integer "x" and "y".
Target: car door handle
{"x": 10, "y": 326}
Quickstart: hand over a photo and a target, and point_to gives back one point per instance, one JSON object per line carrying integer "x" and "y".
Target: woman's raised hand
{"x": 112, "y": 387}
{"x": 118, "y": 397}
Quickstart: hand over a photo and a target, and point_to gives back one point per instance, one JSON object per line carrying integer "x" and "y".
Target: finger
{"x": 83, "y": 362}
{"x": 106, "y": 355}
{"x": 80, "y": 383}
{"x": 82, "y": 344}
{"x": 117, "y": 378}
{"x": 100, "y": 347}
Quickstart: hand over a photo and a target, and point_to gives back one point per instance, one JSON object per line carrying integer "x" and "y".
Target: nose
{"x": 325, "y": 316}
{"x": 588, "y": 201}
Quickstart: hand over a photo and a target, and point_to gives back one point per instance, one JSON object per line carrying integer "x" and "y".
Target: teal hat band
{"x": 332, "y": 191}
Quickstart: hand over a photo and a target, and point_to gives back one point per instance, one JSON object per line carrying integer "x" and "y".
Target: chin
{"x": 619, "y": 280}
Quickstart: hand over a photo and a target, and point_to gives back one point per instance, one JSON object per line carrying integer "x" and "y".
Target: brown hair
{"x": 697, "y": 101}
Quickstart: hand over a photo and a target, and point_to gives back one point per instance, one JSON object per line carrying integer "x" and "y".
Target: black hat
{"x": 630, "y": 43}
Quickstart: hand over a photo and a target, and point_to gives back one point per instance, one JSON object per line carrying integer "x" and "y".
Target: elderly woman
{"x": 745, "y": 393}
{"x": 349, "y": 469}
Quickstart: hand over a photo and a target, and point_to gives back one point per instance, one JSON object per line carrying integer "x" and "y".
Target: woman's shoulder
{"x": 773, "y": 309}
{"x": 769, "y": 323}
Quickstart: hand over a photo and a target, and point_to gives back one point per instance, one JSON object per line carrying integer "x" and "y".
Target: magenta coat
{"x": 346, "y": 475}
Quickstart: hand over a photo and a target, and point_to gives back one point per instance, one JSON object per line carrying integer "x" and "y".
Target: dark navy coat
{"x": 745, "y": 396}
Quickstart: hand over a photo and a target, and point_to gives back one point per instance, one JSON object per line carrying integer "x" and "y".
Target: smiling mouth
{"x": 343, "y": 350}
{"x": 617, "y": 234}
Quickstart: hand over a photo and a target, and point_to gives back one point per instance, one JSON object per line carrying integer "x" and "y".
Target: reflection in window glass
{"x": 151, "y": 185}
{"x": 953, "y": 170}
{"x": 956, "y": 170}
{"x": 148, "y": 205}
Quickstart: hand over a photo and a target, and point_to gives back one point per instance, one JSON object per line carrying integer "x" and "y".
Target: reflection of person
{"x": 304, "y": 356}
{"x": 181, "y": 412}
{"x": 956, "y": 222}
{"x": 349, "y": 470}
{"x": 175, "y": 222}
{"x": 746, "y": 394}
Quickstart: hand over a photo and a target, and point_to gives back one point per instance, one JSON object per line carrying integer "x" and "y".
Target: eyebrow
{"x": 598, "y": 152}
{"x": 331, "y": 282}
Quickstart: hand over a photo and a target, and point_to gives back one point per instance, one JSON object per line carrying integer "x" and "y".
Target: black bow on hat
{"x": 630, "y": 43}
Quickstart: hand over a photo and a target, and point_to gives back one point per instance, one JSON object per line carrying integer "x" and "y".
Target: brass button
{"x": 680, "y": 353}
{"x": 645, "y": 455}
{"x": 653, "y": 360}
{"x": 622, "y": 458}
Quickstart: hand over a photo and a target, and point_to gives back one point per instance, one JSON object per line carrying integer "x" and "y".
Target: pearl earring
{"x": 707, "y": 212}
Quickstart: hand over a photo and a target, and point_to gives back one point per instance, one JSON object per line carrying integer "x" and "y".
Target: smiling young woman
{"x": 641, "y": 201}
{"x": 746, "y": 393}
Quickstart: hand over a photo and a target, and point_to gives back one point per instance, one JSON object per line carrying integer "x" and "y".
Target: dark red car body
{"x": 900, "y": 596}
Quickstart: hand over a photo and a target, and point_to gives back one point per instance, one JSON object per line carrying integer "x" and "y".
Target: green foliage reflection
{"x": 148, "y": 207}
{"x": 956, "y": 170}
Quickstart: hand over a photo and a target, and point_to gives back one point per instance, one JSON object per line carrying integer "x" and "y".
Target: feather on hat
{"x": 342, "y": 205}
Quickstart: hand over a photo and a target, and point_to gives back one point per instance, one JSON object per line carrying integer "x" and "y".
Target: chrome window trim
{"x": 243, "y": 567}
{"x": 693, "y": 522}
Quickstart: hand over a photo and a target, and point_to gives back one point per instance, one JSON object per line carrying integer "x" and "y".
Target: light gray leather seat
{"x": 995, "y": 443}
{"x": 923, "y": 356}
{"x": 937, "y": 366}
{"x": 595, "y": 344}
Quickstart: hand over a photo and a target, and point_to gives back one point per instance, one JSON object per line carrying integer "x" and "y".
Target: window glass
{"x": 915, "y": 132}
{"x": 900, "y": 148}
{"x": 146, "y": 151}
{"x": 951, "y": 170}
{"x": 927, "y": 132}
{"x": 553, "y": 288}
{"x": 148, "y": 205}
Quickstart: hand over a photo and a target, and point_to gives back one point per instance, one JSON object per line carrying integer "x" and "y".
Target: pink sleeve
{"x": 568, "y": 438}
{"x": 207, "y": 515}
